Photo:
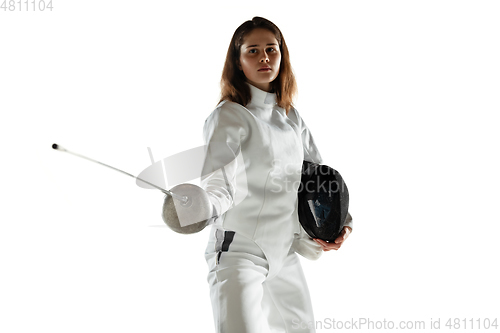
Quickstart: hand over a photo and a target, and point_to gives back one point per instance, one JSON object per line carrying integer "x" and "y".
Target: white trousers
{"x": 243, "y": 299}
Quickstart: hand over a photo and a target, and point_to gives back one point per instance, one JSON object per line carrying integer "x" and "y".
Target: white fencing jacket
{"x": 252, "y": 172}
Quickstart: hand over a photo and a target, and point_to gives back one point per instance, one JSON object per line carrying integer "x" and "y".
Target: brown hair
{"x": 232, "y": 83}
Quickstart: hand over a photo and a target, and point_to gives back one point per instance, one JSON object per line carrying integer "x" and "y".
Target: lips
{"x": 263, "y": 69}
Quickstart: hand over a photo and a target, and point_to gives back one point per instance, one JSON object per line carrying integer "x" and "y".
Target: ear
{"x": 239, "y": 65}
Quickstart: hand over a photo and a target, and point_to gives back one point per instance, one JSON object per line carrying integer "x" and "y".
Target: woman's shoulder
{"x": 294, "y": 115}
{"x": 228, "y": 114}
{"x": 229, "y": 110}
{"x": 229, "y": 106}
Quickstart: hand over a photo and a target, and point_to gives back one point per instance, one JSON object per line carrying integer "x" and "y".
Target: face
{"x": 260, "y": 58}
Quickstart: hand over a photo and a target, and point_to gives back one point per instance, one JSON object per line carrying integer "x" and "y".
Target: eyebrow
{"x": 249, "y": 46}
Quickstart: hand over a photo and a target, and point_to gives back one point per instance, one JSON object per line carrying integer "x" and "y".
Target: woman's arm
{"x": 311, "y": 154}
{"x": 304, "y": 244}
{"x": 223, "y": 133}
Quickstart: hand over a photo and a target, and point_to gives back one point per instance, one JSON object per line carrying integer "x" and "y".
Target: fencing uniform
{"x": 252, "y": 172}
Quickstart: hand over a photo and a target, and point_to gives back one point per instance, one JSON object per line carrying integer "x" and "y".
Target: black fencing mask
{"x": 323, "y": 201}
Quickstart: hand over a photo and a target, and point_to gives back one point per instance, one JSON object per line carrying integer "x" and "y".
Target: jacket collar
{"x": 261, "y": 98}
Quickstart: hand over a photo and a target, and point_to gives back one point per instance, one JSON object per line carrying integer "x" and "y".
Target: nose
{"x": 264, "y": 57}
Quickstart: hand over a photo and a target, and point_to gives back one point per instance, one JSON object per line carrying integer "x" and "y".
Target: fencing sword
{"x": 191, "y": 211}
{"x": 178, "y": 197}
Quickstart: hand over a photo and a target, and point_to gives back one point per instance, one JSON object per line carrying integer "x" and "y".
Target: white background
{"x": 402, "y": 98}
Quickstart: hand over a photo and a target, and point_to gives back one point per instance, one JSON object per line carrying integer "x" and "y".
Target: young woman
{"x": 256, "y": 146}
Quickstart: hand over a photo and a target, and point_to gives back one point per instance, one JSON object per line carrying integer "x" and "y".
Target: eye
{"x": 251, "y": 51}
{"x": 271, "y": 49}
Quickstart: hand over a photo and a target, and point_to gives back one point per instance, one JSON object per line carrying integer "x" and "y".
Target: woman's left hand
{"x": 338, "y": 242}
